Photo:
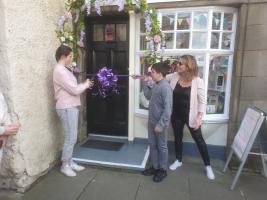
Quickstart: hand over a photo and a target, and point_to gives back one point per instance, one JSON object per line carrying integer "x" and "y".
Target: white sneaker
{"x": 175, "y": 165}
{"x": 66, "y": 169}
{"x": 76, "y": 167}
{"x": 210, "y": 173}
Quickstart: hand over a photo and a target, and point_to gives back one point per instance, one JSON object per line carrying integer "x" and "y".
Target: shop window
{"x": 208, "y": 34}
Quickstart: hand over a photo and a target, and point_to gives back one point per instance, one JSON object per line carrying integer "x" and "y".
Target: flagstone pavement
{"x": 186, "y": 183}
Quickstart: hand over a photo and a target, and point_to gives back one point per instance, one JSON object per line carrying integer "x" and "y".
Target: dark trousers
{"x": 178, "y": 127}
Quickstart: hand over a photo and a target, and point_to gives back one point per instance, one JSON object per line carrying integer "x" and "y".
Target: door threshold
{"x": 139, "y": 154}
{"x": 109, "y": 136}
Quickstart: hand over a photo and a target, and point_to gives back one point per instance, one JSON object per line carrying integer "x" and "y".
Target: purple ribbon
{"x": 90, "y": 75}
{"x": 107, "y": 81}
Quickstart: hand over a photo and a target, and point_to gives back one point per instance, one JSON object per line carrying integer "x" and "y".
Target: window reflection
{"x": 121, "y": 32}
{"x": 217, "y": 84}
{"x": 168, "y": 22}
{"x": 98, "y": 32}
{"x": 110, "y": 32}
{"x": 183, "y": 21}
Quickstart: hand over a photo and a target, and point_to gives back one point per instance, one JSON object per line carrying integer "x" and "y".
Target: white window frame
{"x": 208, "y": 52}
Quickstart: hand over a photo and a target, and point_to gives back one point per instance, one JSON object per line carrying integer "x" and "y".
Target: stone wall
{"x": 27, "y": 47}
{"x": 250, "y": 72}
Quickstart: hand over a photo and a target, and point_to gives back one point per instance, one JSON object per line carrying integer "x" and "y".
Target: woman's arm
{"x": 6, "y": 131}
{"x": 9, "y": 130}
{"x": 69, "y": 85}
{"x": 201, "y": 96}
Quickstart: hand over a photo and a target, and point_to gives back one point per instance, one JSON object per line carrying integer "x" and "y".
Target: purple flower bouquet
{"x": 107, "y": 82}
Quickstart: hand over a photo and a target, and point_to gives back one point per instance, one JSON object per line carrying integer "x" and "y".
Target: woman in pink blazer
{"x": 189, "y": 102}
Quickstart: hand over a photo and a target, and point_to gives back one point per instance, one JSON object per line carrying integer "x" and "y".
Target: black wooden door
{"x": 108, "y": 46}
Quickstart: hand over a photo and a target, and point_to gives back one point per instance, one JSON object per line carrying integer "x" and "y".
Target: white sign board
{"x": 244, "y": 140}
{"x": 246, "y": 132}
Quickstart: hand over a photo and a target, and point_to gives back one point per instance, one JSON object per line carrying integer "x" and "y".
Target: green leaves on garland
{"x": 71, "y": 28}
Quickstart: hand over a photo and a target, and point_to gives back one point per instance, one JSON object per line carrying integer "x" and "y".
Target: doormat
{"x": 104, "y": 145}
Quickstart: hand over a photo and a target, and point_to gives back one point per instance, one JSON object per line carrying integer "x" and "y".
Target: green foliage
{"x": 75, "y": 24}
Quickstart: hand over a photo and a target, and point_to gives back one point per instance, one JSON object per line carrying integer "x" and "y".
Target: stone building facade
{"x": 27, "y": 46}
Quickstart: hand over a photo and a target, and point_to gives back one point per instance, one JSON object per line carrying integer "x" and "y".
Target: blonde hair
{"x": 191, "y": 64}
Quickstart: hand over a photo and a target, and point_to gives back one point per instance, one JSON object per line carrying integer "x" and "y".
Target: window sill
{"x": 215, "y": 121}
{"x": 206, "y": 120}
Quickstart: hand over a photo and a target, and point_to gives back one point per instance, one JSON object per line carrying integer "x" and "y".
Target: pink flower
{"x": 149, "y": 69}
{"x": 80, "y": 43}
{"x": 68, "y": 15}
{"x": 157, "y": 38}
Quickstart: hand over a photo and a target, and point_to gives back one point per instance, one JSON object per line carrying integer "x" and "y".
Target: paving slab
{"x": 253, "y": 187}
{"x": 202, "y": 190}
{"x": 172, "y": 187}
{"x": 56, "y": 186}
{"x": 186, "y": 183}
{"x": 111, "y": 185}
{"x": 9, "y": 195}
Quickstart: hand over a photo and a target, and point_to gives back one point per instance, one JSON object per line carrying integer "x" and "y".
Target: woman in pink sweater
{"x": 189, "y": 102}
{"x": 67, "y": 95}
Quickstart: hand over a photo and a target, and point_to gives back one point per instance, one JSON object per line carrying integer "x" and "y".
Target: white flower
{"x": 74, "y": 64}
{"x": 71, "y": 38}
{"x": 62, "y": 39}
{"x": 121, "y": 5}
{"x": 109, "y": 2}
{"x": 150, "y": 11}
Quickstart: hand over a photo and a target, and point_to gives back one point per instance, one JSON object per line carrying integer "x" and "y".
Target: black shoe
{"x": 149, "y": 172}
{"x": 160, "y": 175}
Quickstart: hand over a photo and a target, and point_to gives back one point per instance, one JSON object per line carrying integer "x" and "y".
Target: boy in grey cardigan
{"x": 160, "y": 109}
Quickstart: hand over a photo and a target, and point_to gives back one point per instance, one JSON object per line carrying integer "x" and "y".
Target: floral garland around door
{"x": 71, "y": 28}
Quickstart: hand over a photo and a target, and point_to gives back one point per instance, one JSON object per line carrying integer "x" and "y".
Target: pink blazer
{"x": 197, "y": 97}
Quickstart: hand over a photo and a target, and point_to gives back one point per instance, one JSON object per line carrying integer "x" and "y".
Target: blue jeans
{"x": 69, "y": 119}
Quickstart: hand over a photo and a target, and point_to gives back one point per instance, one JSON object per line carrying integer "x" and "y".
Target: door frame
{"x": 89, "y": 34}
